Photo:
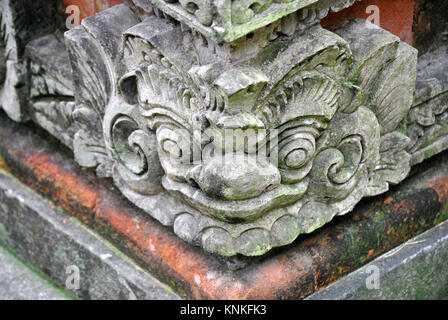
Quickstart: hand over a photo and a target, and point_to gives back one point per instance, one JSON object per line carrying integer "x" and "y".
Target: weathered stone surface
{"x": 415, "y": 270}
{"x": 227, "y": 21}
{"x": 312, "y": 262}
{"x": 20, "y": 282}
{"x": 95, "y": 68}
{"x": 426, "y": 121}
{"x": 240, "y": 139}
{"x": 54, "y": 242}
{"x": 51, "y": 99}
{"x": 20, "y": 22}
{"x": 224, "y": 20}
{"x": 191, "y": 115}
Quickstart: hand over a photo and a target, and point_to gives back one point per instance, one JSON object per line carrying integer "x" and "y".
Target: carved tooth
{"x": 303, "y": 14}
{"x": 322, "y": 13}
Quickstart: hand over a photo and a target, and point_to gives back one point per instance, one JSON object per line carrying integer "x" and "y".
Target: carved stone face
{"x": 242, "y": 157}
{"x": 234, "y": 165}
{"x": 222, "y": 148}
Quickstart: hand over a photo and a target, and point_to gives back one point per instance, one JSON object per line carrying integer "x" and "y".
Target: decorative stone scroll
{"x": 240, "y": 124}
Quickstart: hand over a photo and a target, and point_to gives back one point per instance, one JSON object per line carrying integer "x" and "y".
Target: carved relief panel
{"x": 240, "y": 144}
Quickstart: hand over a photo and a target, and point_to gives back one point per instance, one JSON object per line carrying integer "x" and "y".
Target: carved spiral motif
{"x": 348, "y": 160}
{"x": 135, "y": 150}
{"x": 336, "y": 169}
{"x": 296, "y": 149}
{"x": 173, "y": 143}
{"x": 126, "y": 137}
{"x": 177, "y": 150}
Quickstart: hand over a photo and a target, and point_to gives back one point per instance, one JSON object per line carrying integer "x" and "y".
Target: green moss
{"x": 269, "y": 53}
{"x": 41, "y": 275}
{"x": 441, "y": 216}
{"x": 117, "y": 251}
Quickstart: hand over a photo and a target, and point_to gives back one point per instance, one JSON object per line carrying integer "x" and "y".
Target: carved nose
{"x": 236, "y": 177}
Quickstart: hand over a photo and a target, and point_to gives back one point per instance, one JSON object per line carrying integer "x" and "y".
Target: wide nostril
{"x": 193, "y": 176}
{"x": 270, "y": 187}
{"x": 193, "y": 183}
{"x": 237, "y": 177}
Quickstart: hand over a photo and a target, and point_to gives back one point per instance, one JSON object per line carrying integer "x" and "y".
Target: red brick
{"x": 90, "y": 7}
{"x": 396, "y": 16}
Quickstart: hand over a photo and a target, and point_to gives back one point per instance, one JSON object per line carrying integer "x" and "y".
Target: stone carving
{"x": 240, "y": 132}
{"x": 316, "y": 129}
{"x": 427, "y": 120}
{"x": 226, "y": 21}
{"x": 11, "y": 73}
{"x": 51, "y": 99}
{"x": 20, "y": 21}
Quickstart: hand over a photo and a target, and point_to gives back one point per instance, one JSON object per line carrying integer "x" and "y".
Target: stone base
{"x": 309, "y": 264}
{"x": 19, "y": 282}
{"x": 57, "y": 244}
{"x": 414, "y": 270}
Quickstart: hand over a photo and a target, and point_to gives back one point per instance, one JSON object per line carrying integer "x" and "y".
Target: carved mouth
{"x": 236, "y": 211}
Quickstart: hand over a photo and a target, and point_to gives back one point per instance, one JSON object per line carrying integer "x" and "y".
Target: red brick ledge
{"x": 88, "y": 8}
{"x": 310, "y": 263}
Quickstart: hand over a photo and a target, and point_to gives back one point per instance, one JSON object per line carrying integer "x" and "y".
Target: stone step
{"x": 73, "y": 256}
{"x": 415, "y": 270}
{"x": 19, "y": 281}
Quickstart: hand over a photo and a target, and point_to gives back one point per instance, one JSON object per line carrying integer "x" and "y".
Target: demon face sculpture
{"x": 240, "y": 156}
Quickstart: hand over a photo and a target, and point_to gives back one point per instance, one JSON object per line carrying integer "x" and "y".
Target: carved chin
{"x": 235, "y": 211}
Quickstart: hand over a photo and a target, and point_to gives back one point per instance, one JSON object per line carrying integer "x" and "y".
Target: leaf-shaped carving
{"x": 394, "y": 163}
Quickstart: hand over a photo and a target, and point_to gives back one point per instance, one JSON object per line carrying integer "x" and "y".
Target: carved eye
{"x": 296, "y": 149}
{"x": 296, "y": 158}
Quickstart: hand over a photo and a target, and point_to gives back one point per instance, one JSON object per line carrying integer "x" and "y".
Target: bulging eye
{"x": 296, "y": 149}
{"x": 296, "y": 158}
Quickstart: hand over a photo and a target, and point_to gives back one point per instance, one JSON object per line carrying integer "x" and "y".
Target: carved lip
{"x": 238, "y": 211}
